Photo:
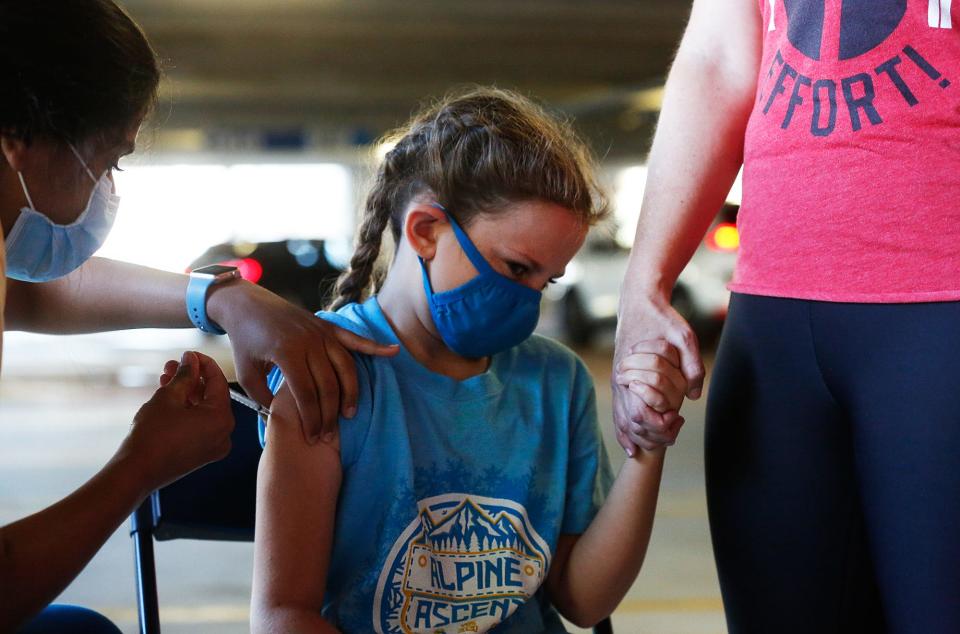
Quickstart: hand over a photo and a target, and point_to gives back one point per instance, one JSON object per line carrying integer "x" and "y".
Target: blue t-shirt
{"x": 455, "y": 493}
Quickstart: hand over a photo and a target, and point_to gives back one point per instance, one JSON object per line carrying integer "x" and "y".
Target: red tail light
{"x": 723, "y": 238}
{"x": 250, "y": 269}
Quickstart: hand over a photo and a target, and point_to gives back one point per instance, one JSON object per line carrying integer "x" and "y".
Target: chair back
{"x": 217, "y": 502}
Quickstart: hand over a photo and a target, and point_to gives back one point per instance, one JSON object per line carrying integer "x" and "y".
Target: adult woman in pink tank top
{"x": 833, "y": 422}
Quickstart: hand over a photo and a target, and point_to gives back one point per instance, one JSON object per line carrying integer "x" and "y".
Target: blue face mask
{"x": 38, "y": 250}
{"x": 488, "y": 314}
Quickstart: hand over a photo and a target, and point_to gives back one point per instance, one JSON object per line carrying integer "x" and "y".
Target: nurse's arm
{"x": 591, "y": 573}
{"x": 264, "y": 329}
{"x": 101, "y": 295}
{"x": 297, "y": 489}
{"x": 41, "y": 554}
{"x": 171, "y": 436}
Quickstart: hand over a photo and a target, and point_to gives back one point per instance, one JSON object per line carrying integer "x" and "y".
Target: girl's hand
{"x": 652, "y": 372}
{"x": 651, "y": 375}
{"x": 314, "y": 355}
{"x": 646, "y": 318}
{"x": 639, "y": 426}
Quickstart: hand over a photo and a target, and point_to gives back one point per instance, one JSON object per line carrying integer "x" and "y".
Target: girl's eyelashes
{"x": 520, "y": 271}
{"x": 552, "y": 280}
{"x": 115, "y": 166}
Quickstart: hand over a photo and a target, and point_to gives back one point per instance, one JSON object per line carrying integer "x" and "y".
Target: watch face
{"x": 214, "y": 270}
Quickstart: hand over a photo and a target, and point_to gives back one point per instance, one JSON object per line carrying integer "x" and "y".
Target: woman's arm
{"x": 297, "y": 489}
{"x": 591, "y": 573}
{"x": 265, "y": 330}
{"x": 696, "y": 153}
{"x": 185, "y": 425}
{"x": 698, "y": 146}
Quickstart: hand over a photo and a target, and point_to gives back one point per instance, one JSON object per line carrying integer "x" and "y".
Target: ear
{"x": 14, "y": 151}
{"x": 422, "y": 228}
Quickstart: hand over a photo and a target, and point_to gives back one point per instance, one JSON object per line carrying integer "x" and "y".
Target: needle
{"x": 249, "y": 402}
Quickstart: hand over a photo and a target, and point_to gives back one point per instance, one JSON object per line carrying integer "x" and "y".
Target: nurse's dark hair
{"x": 73, "y": 70}
{"x": 473, "y": 152}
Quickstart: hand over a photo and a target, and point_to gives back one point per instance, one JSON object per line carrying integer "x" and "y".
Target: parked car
{"x": 302, "y": 271}
{"x": 587, "y": 296}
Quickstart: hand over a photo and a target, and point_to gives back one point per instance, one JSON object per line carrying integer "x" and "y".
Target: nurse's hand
{"x": 186, "y": 424}
{"x": 314, "y": 355}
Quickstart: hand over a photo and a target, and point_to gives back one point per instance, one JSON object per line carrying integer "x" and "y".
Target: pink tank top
{"x": 851, "y": 188}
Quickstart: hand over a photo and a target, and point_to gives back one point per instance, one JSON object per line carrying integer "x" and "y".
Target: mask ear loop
{"x": 476, "y": 258}
{"x": 473, "y": 254}
{"x": 26, "y": 193}
{"x": 23, "y": 183}
{"x": 84, "y": 163}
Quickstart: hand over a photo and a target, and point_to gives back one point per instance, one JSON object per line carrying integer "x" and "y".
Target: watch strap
{"x": 197, "y": 290}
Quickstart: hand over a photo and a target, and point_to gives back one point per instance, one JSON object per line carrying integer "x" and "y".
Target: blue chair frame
{"x": 216, "y": 502}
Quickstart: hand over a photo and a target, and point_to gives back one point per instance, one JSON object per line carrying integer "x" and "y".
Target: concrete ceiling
{"x": 340, "y": 65}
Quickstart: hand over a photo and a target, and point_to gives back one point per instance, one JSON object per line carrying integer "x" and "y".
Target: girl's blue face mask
{"x": 39, "y": 250}
{"x": 488, "y": 314}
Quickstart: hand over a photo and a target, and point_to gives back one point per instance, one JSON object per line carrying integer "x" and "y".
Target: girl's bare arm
{"x": 297, "y": 489}
{"x": 592, "y": 572}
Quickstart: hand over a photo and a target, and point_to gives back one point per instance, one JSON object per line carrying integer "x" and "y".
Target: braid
{"x": 382, "y": 202}
{"x": 353, "y": 284}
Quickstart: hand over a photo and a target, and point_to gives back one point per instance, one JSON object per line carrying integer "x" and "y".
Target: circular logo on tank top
{"x": 465, "y": 564}
{"x": 864, "y": 25}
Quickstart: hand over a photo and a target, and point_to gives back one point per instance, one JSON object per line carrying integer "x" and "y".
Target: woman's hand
{"x": 314, "y": 355}
{"x": 644, "y": 413}
{"x": 186, "y": 424}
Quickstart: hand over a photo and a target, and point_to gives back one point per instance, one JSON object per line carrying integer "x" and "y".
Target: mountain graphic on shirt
{"x": 469, "y": 529}
{"x": 465, "y": 563}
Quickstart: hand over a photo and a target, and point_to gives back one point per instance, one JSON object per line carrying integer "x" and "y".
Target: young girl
{"x": 467, "y": 493}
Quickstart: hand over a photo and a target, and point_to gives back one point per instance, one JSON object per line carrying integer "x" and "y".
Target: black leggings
{"x": 833, "y": 467}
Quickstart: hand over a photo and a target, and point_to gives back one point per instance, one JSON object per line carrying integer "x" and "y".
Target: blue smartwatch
{"x": 201, "y": 280}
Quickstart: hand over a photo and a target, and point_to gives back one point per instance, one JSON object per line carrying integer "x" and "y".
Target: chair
{"x": 216, "y": 502}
